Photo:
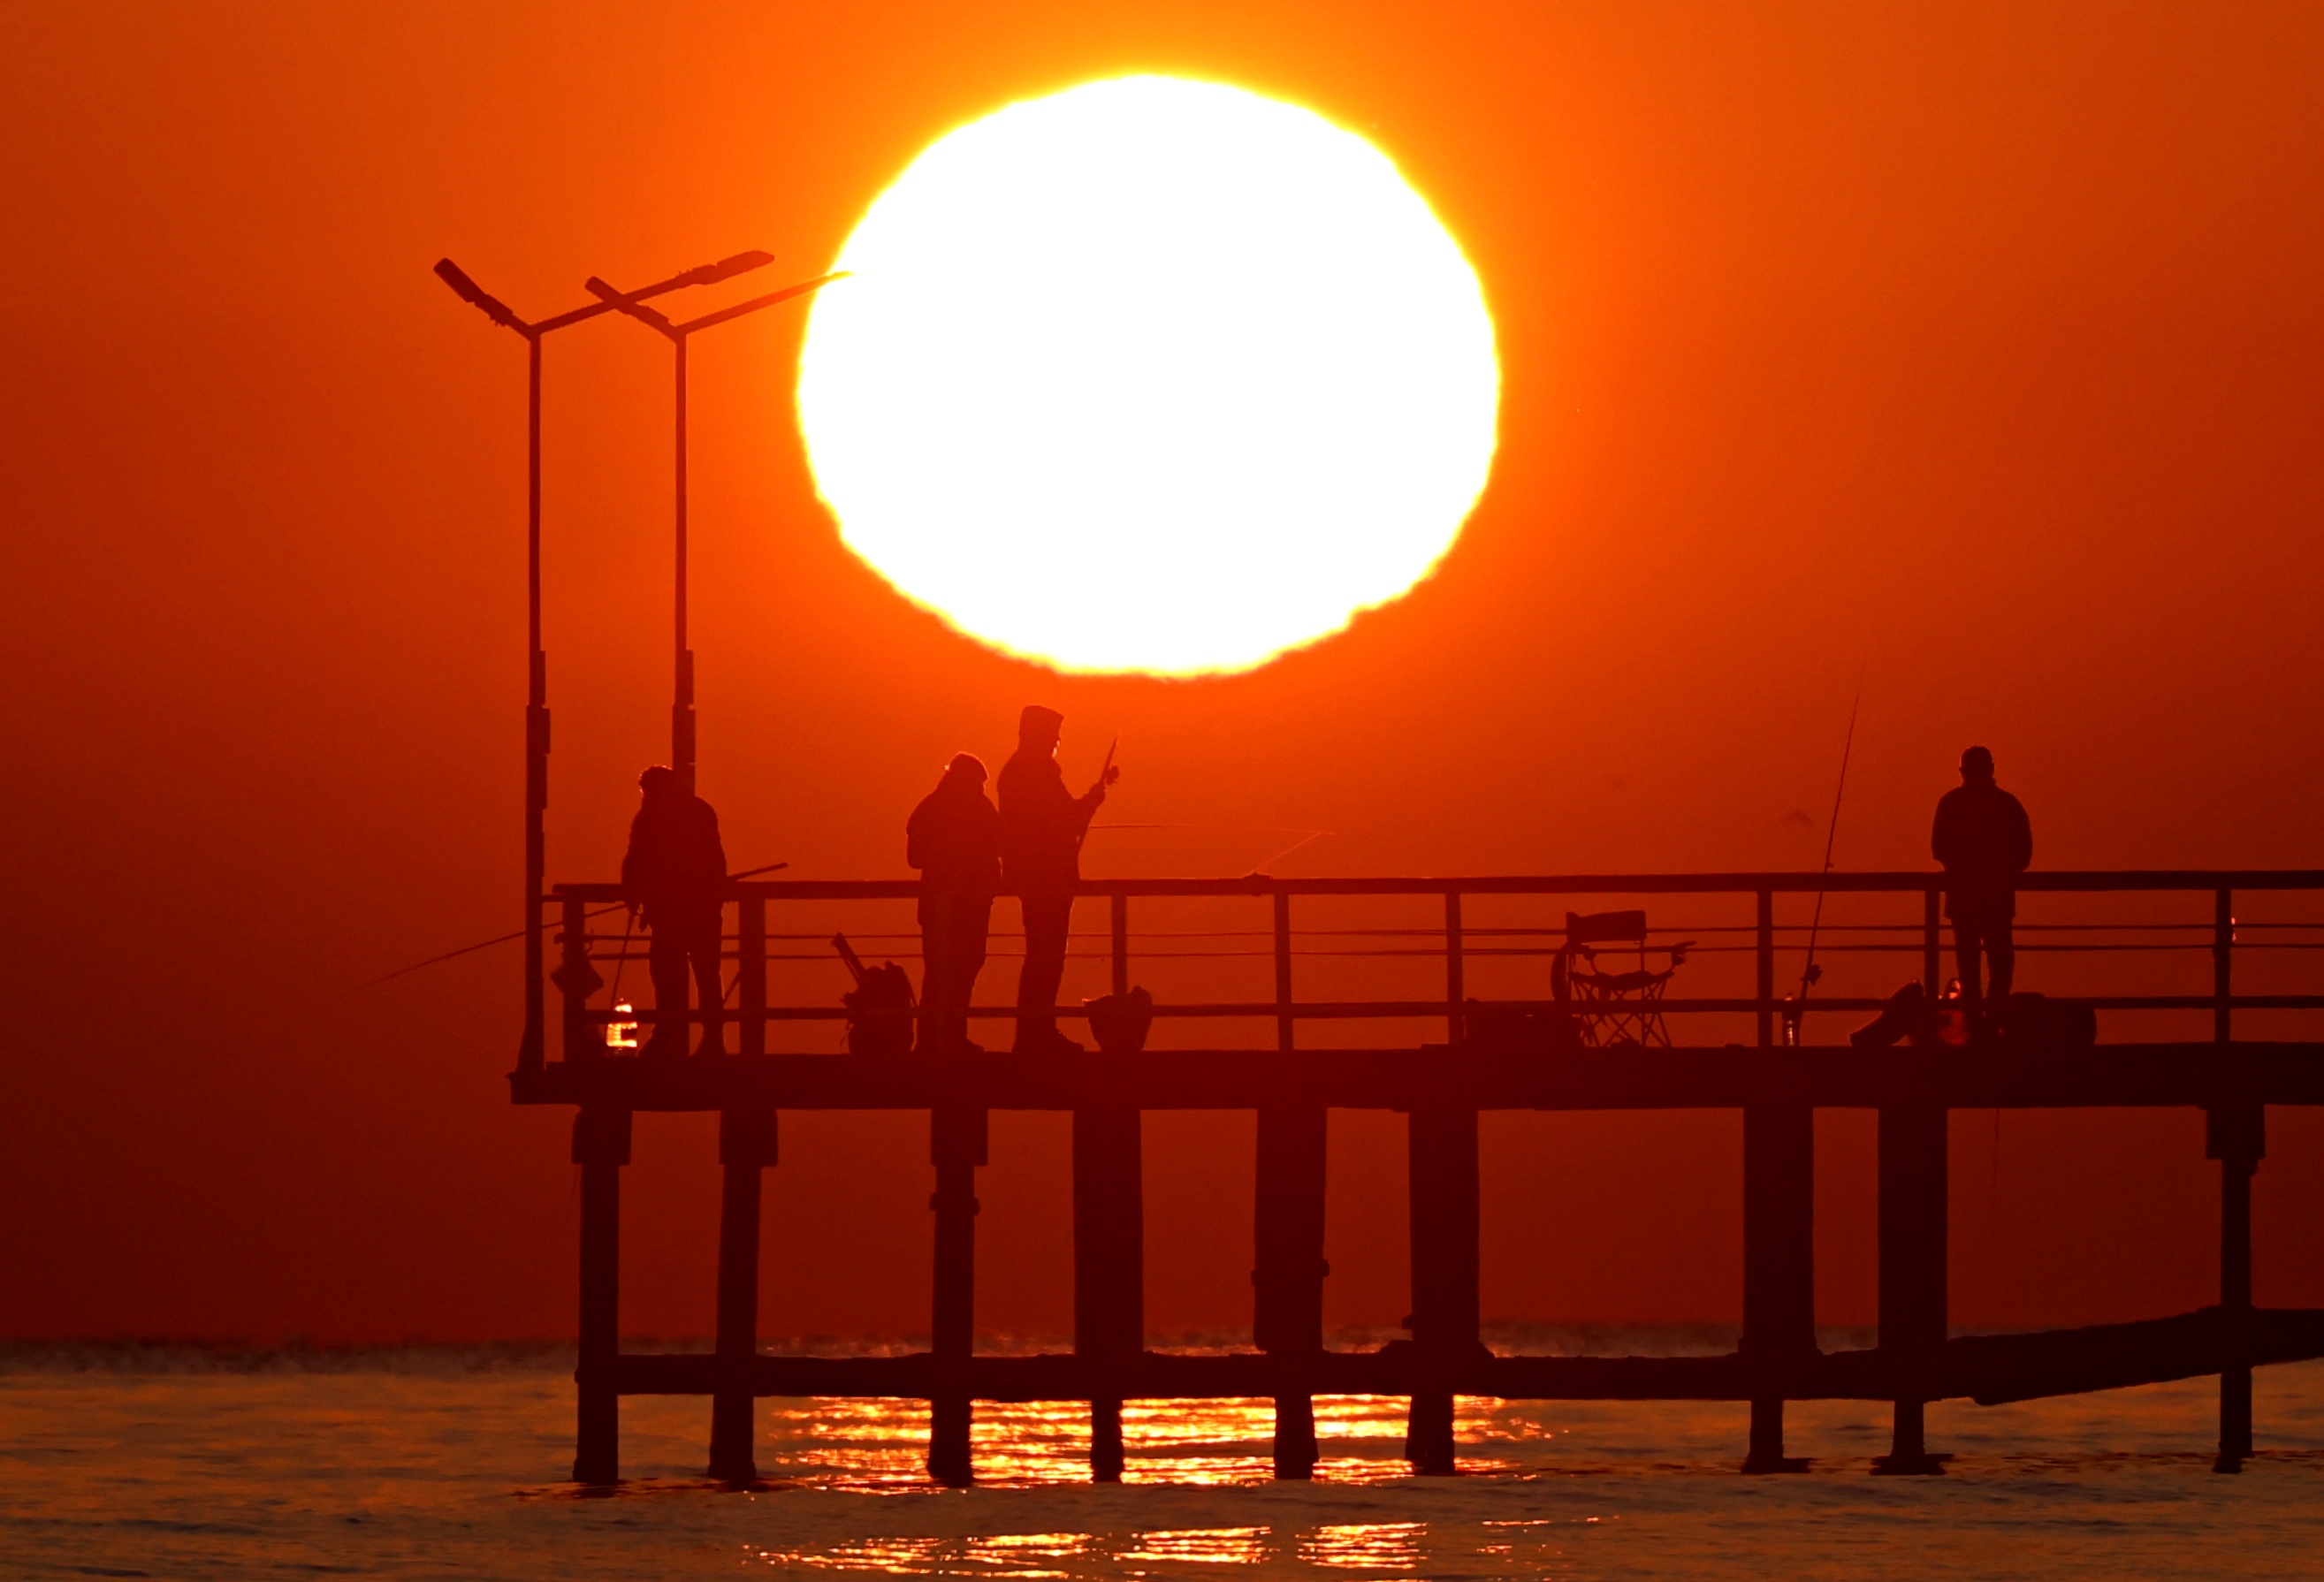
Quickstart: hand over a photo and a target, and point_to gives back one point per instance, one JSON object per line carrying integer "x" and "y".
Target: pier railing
{"x": 1269, "y": 955}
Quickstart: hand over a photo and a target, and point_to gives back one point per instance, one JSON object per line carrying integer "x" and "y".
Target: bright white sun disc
{"x": 1150, "y": 375}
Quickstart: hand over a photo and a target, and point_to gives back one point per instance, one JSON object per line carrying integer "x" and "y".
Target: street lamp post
{"x": 531, "y": 1052}
{"x": 681, "y": 709}
{"x": 746, "y": 1136}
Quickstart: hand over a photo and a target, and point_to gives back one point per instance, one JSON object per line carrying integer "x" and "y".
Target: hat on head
{"x": 1037, "y": 721}
{"x": 1976, "y": 759}
{"x": 965, "y": 766}
{"x": 660, "y": 776}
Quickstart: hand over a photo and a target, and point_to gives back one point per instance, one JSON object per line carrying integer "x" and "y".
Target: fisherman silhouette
{"x": 1984, "y": 840}
{"x": 675, "y": 871}
{"x": 954, "y": 839}
{"x": 1041, "y": 829}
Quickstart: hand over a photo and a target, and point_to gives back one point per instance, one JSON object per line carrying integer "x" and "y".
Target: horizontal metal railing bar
{"x": 1619, "y": 883}
{"x": 1358, "y": 1010}
{"x": 1543, "y": 931}
{"x": 1546, "y": 931}
{"x": 636, "y": 952}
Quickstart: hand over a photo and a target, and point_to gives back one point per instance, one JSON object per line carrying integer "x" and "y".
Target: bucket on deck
{"x": 1120, "y": 1022}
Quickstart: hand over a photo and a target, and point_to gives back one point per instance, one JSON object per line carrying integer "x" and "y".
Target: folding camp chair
{"x": 1611, "y": 1009}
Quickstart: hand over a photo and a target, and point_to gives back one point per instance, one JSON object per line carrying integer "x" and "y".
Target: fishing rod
{"x": 1810, "y": 973}
{"x": 519, "y": 934}
{"x": 1082, "y": 838}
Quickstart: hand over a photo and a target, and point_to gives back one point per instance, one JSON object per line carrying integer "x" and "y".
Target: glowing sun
{"x": 1150, "y": 375}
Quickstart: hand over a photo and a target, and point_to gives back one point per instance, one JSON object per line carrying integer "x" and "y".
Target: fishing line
{"x": 1811, "y": 973}
{"x": 519, "y": 934}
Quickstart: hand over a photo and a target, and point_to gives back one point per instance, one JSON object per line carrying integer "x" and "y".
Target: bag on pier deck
{"x": 1909, "y": 1013}
{"x": 880, "y": 1010}
{"x": 2036, "y": 1021}
{"x": 1120, "y": 1022}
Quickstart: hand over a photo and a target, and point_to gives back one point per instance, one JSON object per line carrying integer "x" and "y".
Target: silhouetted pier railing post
{"x": 576, "y": 980}
{"x": 1932, "y": 940}
{"x": 751, "y": 973}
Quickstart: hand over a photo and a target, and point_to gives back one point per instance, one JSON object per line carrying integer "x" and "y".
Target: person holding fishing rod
{"x": 675, "y": 874}
{"x": 1042, "y": 826}
{"x": 1984, "y": 841}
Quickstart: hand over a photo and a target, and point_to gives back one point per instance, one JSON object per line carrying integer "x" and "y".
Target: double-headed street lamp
{"x": 536, "y": 713}
{"x": 681, "y": 709}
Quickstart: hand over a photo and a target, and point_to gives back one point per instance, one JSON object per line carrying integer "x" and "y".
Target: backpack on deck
{"x": 880, "y": 1010}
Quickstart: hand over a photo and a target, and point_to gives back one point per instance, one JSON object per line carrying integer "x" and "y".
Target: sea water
{"x": 447, "y": 1462}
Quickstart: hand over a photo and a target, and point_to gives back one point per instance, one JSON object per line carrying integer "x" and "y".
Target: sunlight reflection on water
{"x": 453, "y": 1473}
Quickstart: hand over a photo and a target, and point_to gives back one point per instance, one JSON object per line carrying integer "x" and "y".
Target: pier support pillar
{"x": 2236, "y": 1137}
{"x": 1778, "y": 1267}
{"x": 1287, "y": 1283}
{"x": 1109, "y": 1269}
{"x": 601, "y": 1146}
{"x": 1445, "y": 1319}
{"x": 746, "y": 1145}
{"x": 957, "y": 1146}
{"x": 1912, "y": 1292}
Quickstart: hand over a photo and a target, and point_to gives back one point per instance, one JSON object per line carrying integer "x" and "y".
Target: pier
{"x": 1467, "y": 1053}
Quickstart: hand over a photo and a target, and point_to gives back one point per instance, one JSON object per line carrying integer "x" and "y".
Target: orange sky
{"x": 1971, "y": 352}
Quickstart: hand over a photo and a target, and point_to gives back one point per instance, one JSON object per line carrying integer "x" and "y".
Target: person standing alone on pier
{"x": 1041, "y": 829}
{"x": 954, "y": 839}
{"x": 675, "y": 871}
{"x": 1985, "y": 840}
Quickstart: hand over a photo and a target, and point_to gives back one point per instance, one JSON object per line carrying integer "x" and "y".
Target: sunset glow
{"x": 1150, "y": 375}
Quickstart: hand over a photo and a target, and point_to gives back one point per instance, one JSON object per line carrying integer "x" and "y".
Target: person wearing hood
{"x": 954, "y": 839}
{"x": 1042, "y": 825}
{"x": 674, "y": 873}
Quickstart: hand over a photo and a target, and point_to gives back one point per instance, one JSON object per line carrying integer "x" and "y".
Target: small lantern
{"x": 621, "y": 1035}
